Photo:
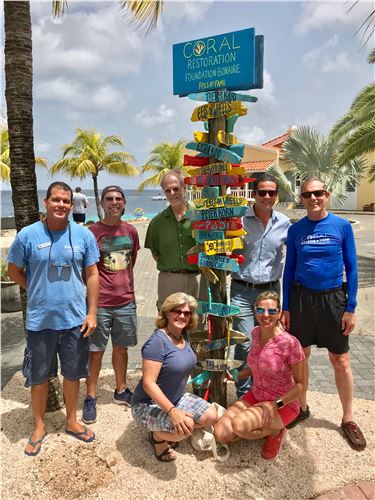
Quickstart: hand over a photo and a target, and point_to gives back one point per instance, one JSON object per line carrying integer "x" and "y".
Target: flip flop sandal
{"x": 174, "y": 444}
{"x": 33, "y": 444}
{"x": 79, "y": 435}
{"x": 164, "y": 456}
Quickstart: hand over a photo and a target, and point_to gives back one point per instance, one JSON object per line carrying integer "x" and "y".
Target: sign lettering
{"x": 212, "y": 247}
{"x": 221, "y": 96}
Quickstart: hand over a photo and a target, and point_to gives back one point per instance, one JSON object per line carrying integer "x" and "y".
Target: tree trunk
{"x": 97, "y": 199}
{"x": 19, "y": 100}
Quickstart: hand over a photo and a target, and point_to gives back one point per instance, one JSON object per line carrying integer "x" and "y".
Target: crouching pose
{"x": 160, "y": 403}
{"x": 277, "y": 364}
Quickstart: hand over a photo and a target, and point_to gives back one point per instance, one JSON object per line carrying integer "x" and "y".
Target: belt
{"x": 182, "y": 271}
{"x": 257, "y": 286}
{"x": 299, "y": 286}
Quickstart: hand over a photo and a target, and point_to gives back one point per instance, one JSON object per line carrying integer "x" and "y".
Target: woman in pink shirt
{"x": 277, "y": 364}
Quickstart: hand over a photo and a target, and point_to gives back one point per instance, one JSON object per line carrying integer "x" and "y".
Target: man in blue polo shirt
{"x": 263, "y": 251}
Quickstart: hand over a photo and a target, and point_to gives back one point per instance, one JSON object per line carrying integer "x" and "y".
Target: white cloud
{"x": 148, "y": 118}
{"x": 188, "y": 11}
{"x": 319, "y": 15}
{"x": 340, "y": 63}
{"x": 253, "y": 135}
{"x": 266, "y": 95}
{"x": 313, "y": 56}
{"x": 42, "y": 147}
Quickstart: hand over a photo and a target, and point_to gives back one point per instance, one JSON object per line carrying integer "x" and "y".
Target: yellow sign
{"x": 216, "y": 168}
{"x": 200, "y": 136}
{"x": 237, "y": 232}
{"x": 227, "y": 139}
{"x": 220, "y": 201}
{"x": 213, "y": 247}
{"x": 215, "y": 109}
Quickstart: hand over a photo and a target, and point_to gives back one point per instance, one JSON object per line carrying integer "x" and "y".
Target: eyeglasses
{"x": 262, "y": 192}
{"x": 272, "y": 311}
{"x": 114, "y": 198}
{"x": 178, "y": 312}
{"x": 318, "y": 194}
{"x": 172, "y": 190}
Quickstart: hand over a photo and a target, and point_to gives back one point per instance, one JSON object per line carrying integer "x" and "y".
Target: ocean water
{"x": 134, "y": 200}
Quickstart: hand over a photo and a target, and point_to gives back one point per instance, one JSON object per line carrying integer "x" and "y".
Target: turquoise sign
{"x": 231, "y": 61}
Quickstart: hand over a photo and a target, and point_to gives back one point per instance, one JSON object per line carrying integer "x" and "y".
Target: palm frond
{"x": 120, "y": 168}
{"x": 144, "y": 14}
{"x": 360, "y": 142}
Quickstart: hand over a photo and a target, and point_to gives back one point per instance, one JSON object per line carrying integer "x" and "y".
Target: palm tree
{"x": 164, "y": 157}
{"x": 306, "y": 153}
{"x": 5, "y": 160}
{"x": 88, "y": 155}
{"x": 19, "y": 100}
{"x": 356, "y": 129}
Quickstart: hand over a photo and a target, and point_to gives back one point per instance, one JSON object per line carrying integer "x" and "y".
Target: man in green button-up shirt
{"x": 169, "y": 239}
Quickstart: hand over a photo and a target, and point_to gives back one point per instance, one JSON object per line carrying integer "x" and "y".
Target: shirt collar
{"x": 250, "y": 213}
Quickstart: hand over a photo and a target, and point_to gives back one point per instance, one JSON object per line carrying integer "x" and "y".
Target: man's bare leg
{"x": 71, "y": 391}
{"x": 39, "y": 395}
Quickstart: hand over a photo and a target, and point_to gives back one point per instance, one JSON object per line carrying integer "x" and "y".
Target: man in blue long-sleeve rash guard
{"x": 318, "y": 308}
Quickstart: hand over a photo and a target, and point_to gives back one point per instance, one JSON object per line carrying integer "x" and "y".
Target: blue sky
{"x": 91, "y": 69}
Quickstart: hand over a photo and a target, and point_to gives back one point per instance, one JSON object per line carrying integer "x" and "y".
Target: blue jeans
{"x": 245, "y": 297}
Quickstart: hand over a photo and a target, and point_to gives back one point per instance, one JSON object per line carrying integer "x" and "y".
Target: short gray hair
{"x": 176, "y": 172}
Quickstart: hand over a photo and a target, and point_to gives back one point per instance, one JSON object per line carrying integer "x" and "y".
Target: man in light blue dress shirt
{"x": 262, "y": 269}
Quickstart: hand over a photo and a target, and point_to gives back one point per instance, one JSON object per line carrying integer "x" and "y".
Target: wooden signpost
{"x": 217, "y": 180}
{"x": 221, "y": 96}
{"x": 219, "y": 365}
{"x": 214, "y": 151}
{"x": 215, "y": 109}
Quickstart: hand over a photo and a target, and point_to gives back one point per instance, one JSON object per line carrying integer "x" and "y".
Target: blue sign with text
{"x": 232, "y": 61}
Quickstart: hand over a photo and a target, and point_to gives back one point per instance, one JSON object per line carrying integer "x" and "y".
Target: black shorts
{"x": 79, "y": 217}
{"x": 315, "y": 318}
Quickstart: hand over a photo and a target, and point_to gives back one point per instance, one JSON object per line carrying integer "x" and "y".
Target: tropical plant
{"x": 165, "y": 156}
{"x": 89, "y": 154}
{"x": 5, "y": 159}
{"x": 356, "y": 129}
{"x": 4, "y": 271}
{"x": 19, "y": 100}
{"x": 307, "y": 153}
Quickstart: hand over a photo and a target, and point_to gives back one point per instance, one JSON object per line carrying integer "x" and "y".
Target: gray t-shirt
{"x": 177, "y": 365}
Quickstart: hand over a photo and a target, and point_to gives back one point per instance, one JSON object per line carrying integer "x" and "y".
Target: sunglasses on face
{"x": 262, "y": 192}
{"x": 178, "y": 312}
{"x": 272, "y": 311}
{"x": 318, "y": 194}
{"x": 172, "y": 190}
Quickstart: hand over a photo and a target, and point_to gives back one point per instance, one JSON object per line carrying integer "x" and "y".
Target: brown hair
{"x": 172, "y": 302}
{"x": 312, "y": 179}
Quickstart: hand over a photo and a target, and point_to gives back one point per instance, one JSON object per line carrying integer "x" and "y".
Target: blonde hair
{"x": 172, "y": 302}
{"x": 268, "y": 295}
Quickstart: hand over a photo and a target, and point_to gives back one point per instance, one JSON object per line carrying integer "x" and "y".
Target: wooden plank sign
{"x": 217, "y": 309}
{"x": 195, "y": 250}
{"x": 230, "y": 262}
{"x": 202, "y": 236}
{"x": 217, "y": 168}
{"x": 227, "y": 139}
{"x": 222, "y": 225}
{"x": 198, "y": 161}
{"x": 230, "y": 122}
{"x": 219, "y": 365}
{"x": 221, "y": 96}
{"x": 209, "y": 274}
{"x": 210, "y": 150}
{"x": 210, "y": 192}
{"x": 237, "y": 232}
{"x": 220, "y": 201}
{"x": 216, "y": 213}
{"x": 215, "y": 109}
{"x": 217, "y": 180}
{"x": 202, "y": 336}
{"x": 200, "y": 136}
{"x": 213, "y": 247}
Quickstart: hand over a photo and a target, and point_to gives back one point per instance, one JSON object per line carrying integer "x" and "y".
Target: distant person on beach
{"x": 118, "y": 244}
{"x": 169, "y": 238}
{"x": 160, "y": 403}
{"x": 264, "y": 257}
{"x": 51, "y": 260}
{"x": 319, "y": 309}
{"x": 80, "y": 203}
{"x": 276, "y": 363}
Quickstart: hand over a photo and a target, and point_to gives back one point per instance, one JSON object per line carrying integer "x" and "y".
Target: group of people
{"x": 56, "y": 259}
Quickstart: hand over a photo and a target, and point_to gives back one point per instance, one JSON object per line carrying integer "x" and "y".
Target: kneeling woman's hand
{"x": 269, "y": 412}
{"x": 182, "y": 421}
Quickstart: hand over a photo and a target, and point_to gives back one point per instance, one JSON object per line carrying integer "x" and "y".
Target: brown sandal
{"x": 166, "y": 455}
{"x": 354, "y": 435}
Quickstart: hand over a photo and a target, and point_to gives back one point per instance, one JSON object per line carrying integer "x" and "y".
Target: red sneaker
{"x": 272, "y": 445}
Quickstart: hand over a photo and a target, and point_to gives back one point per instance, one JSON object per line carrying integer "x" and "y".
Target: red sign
{"x": 196, "y": 161}
{"x": 217, "y": 180}
{"x": 221, "y": 225}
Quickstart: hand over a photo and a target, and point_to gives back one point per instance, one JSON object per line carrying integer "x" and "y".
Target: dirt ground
{"x": 120, "y": 463}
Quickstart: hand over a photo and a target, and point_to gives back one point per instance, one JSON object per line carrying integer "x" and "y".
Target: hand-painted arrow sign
{"x": 198, "y": 161}
{"x": 216, "y": 261}
{"x": 221, "y": 96}
{"x": 216, "y": 213}
{"x": 209, "y": 274}
{"x": 202, "y": 236}
{"x": 200, "y": 136}
{"x": 214, "y": 151}
{"x": 238, "y": 232}
{"x": 225, "y": 138}
{"x": 213, "y": 110}
{"x": 212, "y": 247}
{"x": 202, "y": 336}
{"x": 210, "y": 192}
{"x": 222, "y": 225}
{"x": 219, "y": 365}
{"x": 220, "y": 201}
{"x": 217, "y": 309}
{"x": 217, "y": 168}
{"x": 217, "y": 180}
{"x": 230, "y": 122}
{"x": 207, "y": 346}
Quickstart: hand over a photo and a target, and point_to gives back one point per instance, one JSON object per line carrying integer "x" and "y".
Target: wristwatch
{"x": 279, "y": 403}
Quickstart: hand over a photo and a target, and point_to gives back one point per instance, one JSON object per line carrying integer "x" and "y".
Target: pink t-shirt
{"x": 271, "y": 365}
{"x": 118, "y": 246}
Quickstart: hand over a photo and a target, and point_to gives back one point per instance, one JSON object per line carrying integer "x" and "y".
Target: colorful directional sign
{"x": 214, "y": 151}
{"x": 230, "y": 122}
{"x": 195, "y": 250}
{"x": 223, "y": 225}
{"x": 218, "y": 262}
{"x": 232, "y": 61}
{"x": 221, "y": 96}
{"x": 209, "y": 274}
{"x": 219, "y": 365}
{"x": 238, "y": 232}
{"x": 227, "y": 139}
{"x": 220, "y": 201}
{"x": 200, "y": 136}
{"x": 202, "y": 236}
{"x": 217, "y": 309}
{"x": 216, "y": 213}
{"x": 217, "y": 168}
{"x": 213, "y": 247}
{"x": 198, "y": 161}
{"x": 201, "y": 336}
{"x": 217, "y": 180}
{"x": 215, "y": 109}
